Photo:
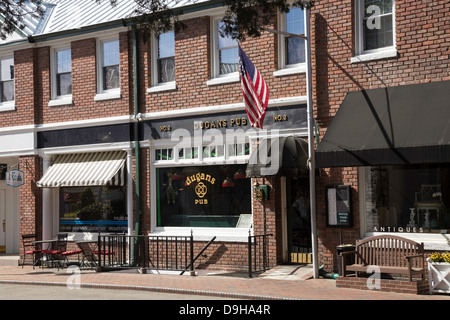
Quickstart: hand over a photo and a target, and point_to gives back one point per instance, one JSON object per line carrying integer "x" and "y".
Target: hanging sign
{"x": 15, "y": 178}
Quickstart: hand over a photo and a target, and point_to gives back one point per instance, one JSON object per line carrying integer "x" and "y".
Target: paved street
{"x": 42, "y": 292}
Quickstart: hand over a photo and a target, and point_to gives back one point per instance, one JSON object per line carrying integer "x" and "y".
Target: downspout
{"x": 136, "y": 133}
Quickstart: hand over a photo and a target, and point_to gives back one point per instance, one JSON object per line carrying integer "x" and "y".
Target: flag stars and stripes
{"x": 254, "y": 89}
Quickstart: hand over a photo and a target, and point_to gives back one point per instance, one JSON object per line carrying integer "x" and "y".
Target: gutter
{"x": 136, "y": 132}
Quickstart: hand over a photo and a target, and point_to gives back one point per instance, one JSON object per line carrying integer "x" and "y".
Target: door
{"x": 298, "y": 220}
{"x": 2, "y": 221}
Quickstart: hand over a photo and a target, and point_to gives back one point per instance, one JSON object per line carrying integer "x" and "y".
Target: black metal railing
{"x": 174, "y": 253}
{"x": 258, "y": 257}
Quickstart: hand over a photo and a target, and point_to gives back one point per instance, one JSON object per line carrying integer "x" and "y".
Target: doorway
{"x": 298, "y": 220}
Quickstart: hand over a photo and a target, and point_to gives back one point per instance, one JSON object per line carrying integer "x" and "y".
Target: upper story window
{"x": 375, "y": 28}
{"x": 225, "y": 63}
{"x": 292, "y": 50}
{"x": 166, "y": 57}
{"x": 108, "y": 69}
{"x": 227, "y": 53}
{"x": 163, "y": 62}
{"x": 110, "y": 65}
{"x": 63, "y": 72}
{"x": 61, "y": 76}
{"x": 294, "y": 47}
{"x": 6, "y": 79}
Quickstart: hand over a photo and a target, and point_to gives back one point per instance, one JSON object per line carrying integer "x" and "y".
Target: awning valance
{"x": 398, "y": 125}
{"x": 278, "y": 156}
{"x": 86, "y": 169}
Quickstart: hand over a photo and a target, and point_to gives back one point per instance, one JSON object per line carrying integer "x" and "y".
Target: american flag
{"x": 254, "y": 89}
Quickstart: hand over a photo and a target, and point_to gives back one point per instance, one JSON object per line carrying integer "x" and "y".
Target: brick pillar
{"x": 30, "y": 197}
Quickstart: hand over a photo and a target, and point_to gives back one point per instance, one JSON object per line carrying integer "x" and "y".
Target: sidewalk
{"x": 278, "y": 284}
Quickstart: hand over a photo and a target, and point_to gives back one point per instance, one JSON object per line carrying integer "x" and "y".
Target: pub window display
{"x": 93, "y": 209}
{"x": 413, "y": 199}
{"x": 205, "y": 196}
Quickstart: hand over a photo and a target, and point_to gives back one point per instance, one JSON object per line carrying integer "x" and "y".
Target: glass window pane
{"x": 382, "y": 7}
{"x": 166, "y": 45}
{"x": 7, "y": 91}
{"x": 7, "y": 69}
{"x": 64, "y": 84}
{"x": 379, "y": 38}
{"x": 111, "y": 77}
{"x": 225, "y": 42}
{"x": 295, "y": 50}
{"x": 93, "y": 209}
{"x": 229, "y": 60}
{"x": 111, "y": 53}
{"x": 63, "y": 61}
{"x": 198, "y": 197}
{"x": 166, "y": 68}
{"x": 295, "y": 21}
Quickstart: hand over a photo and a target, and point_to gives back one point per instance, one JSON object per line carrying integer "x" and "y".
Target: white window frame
{"x": 283, "y": 67}
{"x": 155, "y": 85}
{"x": 55, "y": 99}
{"x": 103, "y": 94}
{"x": 9, "y": 105}
{"x": 216, "y": 77}
{"x": 200, "y": 233}
{"x": 362, "y": 55}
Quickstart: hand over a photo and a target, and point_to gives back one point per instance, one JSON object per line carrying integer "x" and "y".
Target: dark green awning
{"x": 279, "y": 156}
{"x": 398, "y": 125}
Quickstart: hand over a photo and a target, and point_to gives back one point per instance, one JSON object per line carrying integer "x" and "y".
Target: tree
{"x": 14, "y": 12}
{"x": 243, "y": 18}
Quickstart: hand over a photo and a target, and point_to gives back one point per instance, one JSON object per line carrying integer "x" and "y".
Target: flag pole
{"x": 312, "y": 164}
{"x": 310, "y": 119}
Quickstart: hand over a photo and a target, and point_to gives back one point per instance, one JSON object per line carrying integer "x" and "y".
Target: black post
{"x": 192, "y": 253}
{"x": 249, "y": 255}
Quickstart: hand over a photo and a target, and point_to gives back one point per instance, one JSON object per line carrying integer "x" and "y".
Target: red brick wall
{"x": 30, "y": 197}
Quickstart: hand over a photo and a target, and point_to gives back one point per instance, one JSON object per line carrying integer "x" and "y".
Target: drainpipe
{"x": 136, "y": 132}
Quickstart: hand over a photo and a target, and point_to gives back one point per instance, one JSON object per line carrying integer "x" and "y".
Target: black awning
{"x": 278, "y": 156}
{"x": 397, "y": 125}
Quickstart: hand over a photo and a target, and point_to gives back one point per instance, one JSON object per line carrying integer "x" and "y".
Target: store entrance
{"x": 298, "y": 220}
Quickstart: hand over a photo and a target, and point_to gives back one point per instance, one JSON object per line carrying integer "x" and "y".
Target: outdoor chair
{"x": 88, "y": 260}
{"x": 29, "y": 249}
{"x": 54, "y": 254}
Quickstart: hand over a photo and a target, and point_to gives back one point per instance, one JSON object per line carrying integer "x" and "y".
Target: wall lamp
{"x": 261, "y": 191}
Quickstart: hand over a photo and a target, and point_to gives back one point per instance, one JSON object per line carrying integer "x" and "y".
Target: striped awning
{"x": 86, "y": 169}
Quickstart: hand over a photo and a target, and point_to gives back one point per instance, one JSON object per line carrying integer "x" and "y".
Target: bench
{"x": 391, "y": 254}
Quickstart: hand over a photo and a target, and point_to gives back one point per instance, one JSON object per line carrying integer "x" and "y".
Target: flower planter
{"x": 439, "y": 277}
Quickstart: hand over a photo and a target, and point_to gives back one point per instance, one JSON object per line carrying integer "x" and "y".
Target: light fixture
{"x": 261, "y": 191}
{"x": 239, "y": 174}
{"x": 227, "y": 183}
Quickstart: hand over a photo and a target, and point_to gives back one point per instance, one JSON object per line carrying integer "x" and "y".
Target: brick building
{"x": 81, "y": 98}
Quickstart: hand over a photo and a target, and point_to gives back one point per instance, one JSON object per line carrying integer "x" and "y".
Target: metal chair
{"x": 29, "y": 249}
{"x": 89, "y": 260}
{"x": 55, "y": 254}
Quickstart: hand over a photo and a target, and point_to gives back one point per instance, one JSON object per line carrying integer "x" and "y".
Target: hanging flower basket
{"x": 439, "y": 272}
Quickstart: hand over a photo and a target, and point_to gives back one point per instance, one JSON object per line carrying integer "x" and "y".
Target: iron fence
{"x": 174, "y": 253}
{"x": 258, "y": 258}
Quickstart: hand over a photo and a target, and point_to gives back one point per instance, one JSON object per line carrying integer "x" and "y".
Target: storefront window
{"x": 413, "y": 199}
{"x": 93, "y": 209}
{"x": 206, "y": 196}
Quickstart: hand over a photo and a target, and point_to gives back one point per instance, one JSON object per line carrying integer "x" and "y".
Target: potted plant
{"x": 439, "y": 272}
